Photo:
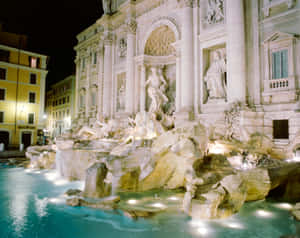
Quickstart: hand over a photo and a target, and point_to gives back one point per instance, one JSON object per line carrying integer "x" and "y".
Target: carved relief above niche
{"x": 160, "y": 42}
{"x": 215, "y": 12}
{"x": 275, "y": 6}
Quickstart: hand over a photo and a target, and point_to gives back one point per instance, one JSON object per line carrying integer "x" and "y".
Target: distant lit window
{"x": 4, "y": 55}
{"x": 30, "y": 118}
{"x": 1, "y": 117}
{"x": 32, "y": 78}
{"x": 2, "y": 74}
{"x": 280, "y": 64}
{"x": 32, "y": 97}
{"x": 2, "y": 94}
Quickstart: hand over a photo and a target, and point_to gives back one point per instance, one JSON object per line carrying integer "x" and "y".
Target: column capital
{"x": 189, "y": 3}
{"x": 131, "y": 25}
{"x": 108, "y": 38}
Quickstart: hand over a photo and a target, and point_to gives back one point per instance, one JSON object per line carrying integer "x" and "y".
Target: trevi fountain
{"x": 176, "y": 121}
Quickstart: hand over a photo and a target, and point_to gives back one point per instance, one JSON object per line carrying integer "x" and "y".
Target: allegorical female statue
{"x": 156, "y": 86}
{"x": 215, "y": 77}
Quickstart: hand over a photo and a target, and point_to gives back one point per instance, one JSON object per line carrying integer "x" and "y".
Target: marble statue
{"x": 122, "y": 47}
{"x": 215, "y": 77}
{"x": 215, "y": 12}
{"x": 121, "y": 97}
{"x": 107, "y": 6}
{"x": 156, "y": 89}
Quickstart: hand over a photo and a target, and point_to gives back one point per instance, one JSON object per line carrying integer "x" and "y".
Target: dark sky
{"x": 51, "y": 27}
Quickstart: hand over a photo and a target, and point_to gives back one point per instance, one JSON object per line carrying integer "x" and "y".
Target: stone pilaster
{"x": 187, "y": 58}
{"x": 88, "y": 91}
{"x": 236, "y": 59}
{"x": 107, "y": 84}
{"x": 130, "y": 77}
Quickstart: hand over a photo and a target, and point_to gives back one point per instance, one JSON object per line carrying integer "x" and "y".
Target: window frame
{"x": 28, "y": 121}
{"x": 34, "y": 93}
{"x": 5, "y": 69}
{"x": 3, "y": 117}
{"x": 4, "y": 89}
{"x": 35, "y": 78}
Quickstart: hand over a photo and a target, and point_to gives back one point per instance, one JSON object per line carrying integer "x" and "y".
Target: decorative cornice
{"x": 189, "y": 3}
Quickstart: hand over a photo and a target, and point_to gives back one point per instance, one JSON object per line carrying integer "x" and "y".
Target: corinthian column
{"x": 187, "y": 57}
{"x": 107, "y": 84}
{"x": 130, "y": 53}
{"x": 236, "y": 59}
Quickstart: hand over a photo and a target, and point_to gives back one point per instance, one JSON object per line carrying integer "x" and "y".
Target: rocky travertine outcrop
{"x": 41, "y": 157}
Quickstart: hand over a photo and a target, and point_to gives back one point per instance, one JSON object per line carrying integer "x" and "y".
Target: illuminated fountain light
{"x": 60, "y": 182}
{"x": 173, "y": 198}
{"x": 57, "y": 200}
{"x": 37, "y": 172}
{"x": 265, "y": 214}
{"x": 28, "y": 170}
{"x": 234, "y": 225}
{"x": 285, "y": 206}
{"x": 158, "y": 205}
{"x": 216, "y": 148}
{"x": 132, "y": 201}
{"x": 201, "y": 228}
{"x": 51, "y": 176}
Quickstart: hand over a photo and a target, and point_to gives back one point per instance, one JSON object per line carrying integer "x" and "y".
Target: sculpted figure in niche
{"x": 107, "y": 6}
{"x": 121, "y": 97}
{"x": 215, "y": 77}
{"x": 156, "y": 89}
{"x": 215, "y": 12}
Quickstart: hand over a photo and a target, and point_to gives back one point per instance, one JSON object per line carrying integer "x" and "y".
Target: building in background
{"x": 22, "y": 91}
{"x": 60, "y": 106}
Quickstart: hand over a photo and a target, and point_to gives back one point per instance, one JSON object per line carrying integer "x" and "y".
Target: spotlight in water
{"x": 51, "y": 176}
{"x": 234, "y": 225}
{"x": 60, "y": 182}
{"x": 56, "y": 200}
{"x": 28, "y": 170}
{"x": 265, "y": 214}
{"x": 173, "y": 198}
{"x": 203, "y": 231}
{"x": 285, "y": 206}
{"x": 158, "y": 205}
{"x": 132, "y": 201}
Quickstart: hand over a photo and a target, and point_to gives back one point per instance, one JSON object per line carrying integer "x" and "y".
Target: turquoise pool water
{"x": 31, "y": 206}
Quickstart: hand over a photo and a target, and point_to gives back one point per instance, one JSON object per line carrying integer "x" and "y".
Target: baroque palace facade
{"x": 233, "y": 65}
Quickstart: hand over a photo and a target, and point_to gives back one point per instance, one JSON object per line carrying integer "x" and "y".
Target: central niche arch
{"x": 160, "y": 42}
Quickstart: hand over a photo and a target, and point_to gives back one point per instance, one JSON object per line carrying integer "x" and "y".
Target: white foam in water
{"x": 173, "y": 198}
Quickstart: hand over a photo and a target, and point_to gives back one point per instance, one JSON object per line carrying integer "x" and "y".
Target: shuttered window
{"x": 280, "y": 64}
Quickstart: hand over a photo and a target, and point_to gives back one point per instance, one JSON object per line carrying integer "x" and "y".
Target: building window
{"x": 64, "y": 100}
{"x": 68, "y": 99}
{"x": 30, "y": 118}
{"x": 68, "y": 112}
{"x": 1, "y": 117}
{"x": 59, "y": 116}
{"x": 34, "y": 62}
{"x": 93, "y": 99}
{"x": 59, "y": 101}
{"x": 2, "y": 94}
{"x": 4, "y": 55}
{"x": 32, "y": 97}
{"x": 32, "y": 78}
{"x": 83, "y": 64}
{"x": 280, "y": 129}
{"x": 53, "y": 103}
{"x": 280, "y": 64}
{"x": 2, "y": 74}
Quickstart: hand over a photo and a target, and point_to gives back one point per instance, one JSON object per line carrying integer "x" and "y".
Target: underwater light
{"x": 28, "y": 170}
{"x": 158, "y": 205}
{"x": 173, "y": 198}
{"x": 56, "y": 200}
{"x": 285, "y": 206}
{"x": 132, "y": 201}
{"x": 51, "y": 176}
{"x": 264, "y": 214}
{"x": 203, "y": 231}
{"x": 60, "y": 182}
{"x": 234, "y": 225}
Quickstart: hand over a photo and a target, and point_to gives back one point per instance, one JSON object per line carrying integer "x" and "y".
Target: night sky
{"x": 51, "y": 27}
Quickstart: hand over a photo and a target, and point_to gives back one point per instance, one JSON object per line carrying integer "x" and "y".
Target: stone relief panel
{"x": 121, "y": 90}
{"x": 215, "y": 76}
{"x": 122, "y": 47}
{"x": 159, "y": 42}
{"x": 214, "y": 12}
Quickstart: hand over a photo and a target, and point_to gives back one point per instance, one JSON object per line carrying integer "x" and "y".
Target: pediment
{"x": 278, "y": 36}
